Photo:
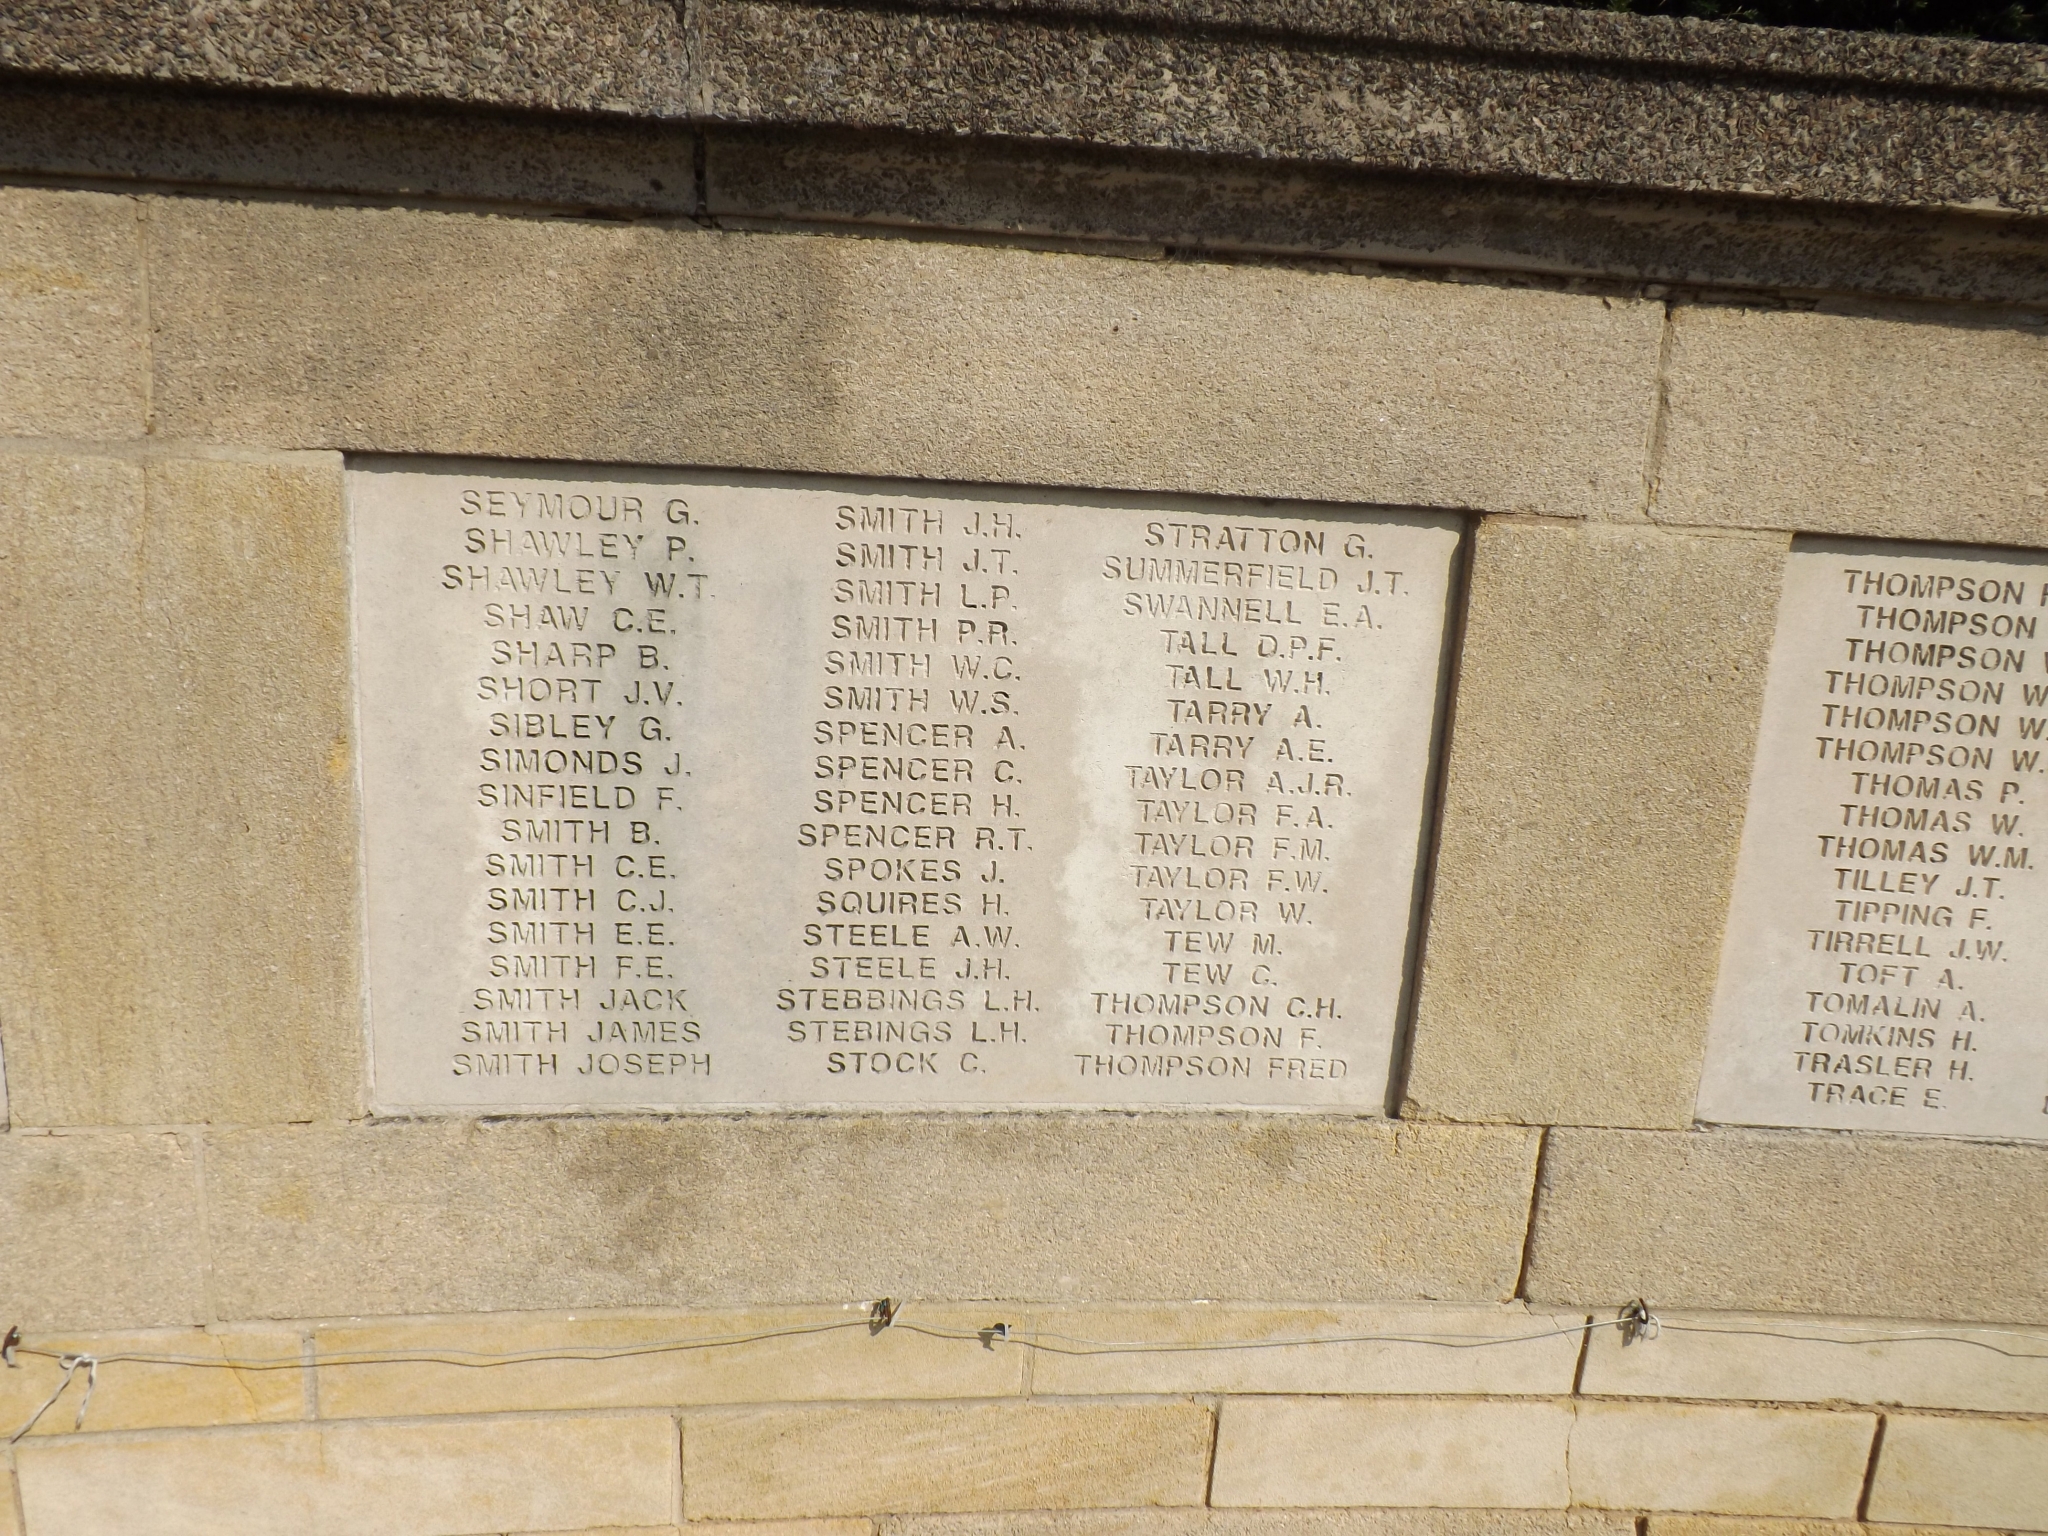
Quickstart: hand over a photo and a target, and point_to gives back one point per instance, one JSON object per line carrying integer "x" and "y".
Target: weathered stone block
{"x": 73, "y": 358}
{"x": 1811, "y": 1360}
{"x": 1273, "y": 1522}
{"x": 1738, "y": 1461}
{"x": 371, "y": 329}
{"x": 102, "y": 1232}
{"x": 779, "y": 1463}
{"x": 1281, "y": 1451}
{"x": 1765, "y": 1221}
{"x": 178, "y": 908}
{"x": 1963, "y": 1472}
{"x": 329, "y": 1222}
{"x": 452, "y": 1479}
{"x": 1606, "y": 714}
{"x": 1542, "y": 1365}
{"x": 133, "y": 1394}
{"x": 805, "y": 1363}
{"x": 1906, "y": 426}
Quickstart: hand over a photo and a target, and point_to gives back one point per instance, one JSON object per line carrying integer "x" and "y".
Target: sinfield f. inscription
{"x": 717, "y": 792}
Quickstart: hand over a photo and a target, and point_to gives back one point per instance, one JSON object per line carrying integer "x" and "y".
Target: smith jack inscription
{"x": 1886, "y": 962}
{"x": 727, "y": 792}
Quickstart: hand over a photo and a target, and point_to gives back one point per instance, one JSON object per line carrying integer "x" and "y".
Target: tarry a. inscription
{"x": 718, "y": 791}
{"x": 1886, "y": 961}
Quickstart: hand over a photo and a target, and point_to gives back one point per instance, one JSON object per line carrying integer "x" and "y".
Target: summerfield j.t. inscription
{"x": 1886, "y": 961}
{"x": 722, "y": 791}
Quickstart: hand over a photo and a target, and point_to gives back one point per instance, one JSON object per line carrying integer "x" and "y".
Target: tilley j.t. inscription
{"x": 728, "y": 792}
{"x": 1886, "y": 961}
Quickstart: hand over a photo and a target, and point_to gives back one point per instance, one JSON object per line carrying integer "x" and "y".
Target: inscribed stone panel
{"x": 1886, "y": 957}
{"x": 717, "y": 790}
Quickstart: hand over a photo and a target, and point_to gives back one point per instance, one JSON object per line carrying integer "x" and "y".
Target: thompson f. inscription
{"x": 728, "y": 792}
{"x": 1886, "y": 961}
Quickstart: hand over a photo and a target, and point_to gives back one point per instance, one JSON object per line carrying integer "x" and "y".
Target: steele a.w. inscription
{"x": 717, "y": 791}
{"x": 1886, "y": 961}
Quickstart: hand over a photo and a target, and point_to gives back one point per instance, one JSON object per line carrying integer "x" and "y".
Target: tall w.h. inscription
{"x": 1886, "y": 961}
{"x": 729, "y": 792}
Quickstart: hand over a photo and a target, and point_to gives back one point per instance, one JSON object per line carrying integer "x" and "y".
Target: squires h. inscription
{"x": 1886, "y": 962}
{"x": 728, "y": 792}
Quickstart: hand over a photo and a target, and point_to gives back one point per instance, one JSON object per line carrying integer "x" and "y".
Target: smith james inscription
{"x": 1886, "y": 962}
{"x": 729, "y": 792}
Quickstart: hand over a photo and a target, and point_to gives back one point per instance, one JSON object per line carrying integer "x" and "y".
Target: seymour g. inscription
{"x": 1885, "y": 966}
{"x": 717, "y": 792}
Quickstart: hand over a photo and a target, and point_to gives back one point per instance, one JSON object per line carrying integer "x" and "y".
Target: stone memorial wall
{"x": 815, "y": 769}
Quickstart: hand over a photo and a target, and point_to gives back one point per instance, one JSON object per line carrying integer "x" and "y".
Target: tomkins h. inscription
{"x": 720, "y": 791}
{"x": 1886, "y": 960}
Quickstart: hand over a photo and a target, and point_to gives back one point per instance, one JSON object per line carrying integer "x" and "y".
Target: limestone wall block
{"x": 410, "y": 331}
{"x": 1963, "y": 1472}
{"x": 1793, "y": 1221}
{"x": 130, "y": 1394}
{"x": 1605, "y": 717}
{"x": 1738, "y": 1461}
{"x": 424, "y": 1217}
{"x": 781, "y": 1463}
{"x": 74, "y": 358}
{"x": 1904, "y": 425}
{"x": 102, "y": 1231}
{"x": 178, "y": 892}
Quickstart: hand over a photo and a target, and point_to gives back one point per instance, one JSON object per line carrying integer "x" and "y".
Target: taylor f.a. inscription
{"x": 1886, "y": 961}
{"x": 718, "y": 791}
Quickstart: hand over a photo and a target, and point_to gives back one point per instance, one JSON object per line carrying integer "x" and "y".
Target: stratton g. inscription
{"x": 1886, "y": 961}
{"x": 729, "y": 792}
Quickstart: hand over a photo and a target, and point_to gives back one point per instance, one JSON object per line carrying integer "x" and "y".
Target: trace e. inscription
{"x": 1886, "y": 960}
{"x": 727, "y": 792}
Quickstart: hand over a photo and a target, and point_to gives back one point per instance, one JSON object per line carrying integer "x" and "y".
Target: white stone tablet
{"x": 718, "y": 790}
{"x": 1886, "y": 961}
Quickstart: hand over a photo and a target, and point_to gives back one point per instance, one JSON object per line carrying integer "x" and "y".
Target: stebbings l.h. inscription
{"x": 1885, "y": 966}
{"x": 719, "y": 791}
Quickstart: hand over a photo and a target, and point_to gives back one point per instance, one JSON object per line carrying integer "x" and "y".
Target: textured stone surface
{"x": 1101, "y": 82}
{"x": 131, "y": 1394}
{"x": 1271, "y": 1522}
{"x": 1738, "y": 1461}
{"x": 1765, "y": 1525}
{"x": 505, "y": 1475}
{"x": 1963, "y": 1472}
{"x": 72, "y": 360}
{"x": 102, "y": 1232}
{"x": 177, "y": 841}
{"x": 1808, "y": 1360}
{"x": 1758, "y": 1221}
{"x": 368, "y": 329}
{"x": 1605, "y": 717}
{"x": 328, "y": 1222}
{"x": 1895, "y": 425}
{"x": 1282, "y": 1451}
{"x": 1544, "y": 1364}
{"x": 807, "y": 1363}
{"x": 780, "y": 1463}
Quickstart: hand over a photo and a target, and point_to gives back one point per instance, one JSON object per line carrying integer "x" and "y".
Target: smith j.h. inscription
{"x": 1886, "y": 961}
{"x": 723, "y": 791}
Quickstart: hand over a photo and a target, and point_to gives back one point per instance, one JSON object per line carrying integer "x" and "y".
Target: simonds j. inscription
{"x": 721, "y": 791}
{"x": 1886, "y": 961}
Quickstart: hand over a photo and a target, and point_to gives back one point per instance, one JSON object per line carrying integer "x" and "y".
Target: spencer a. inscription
{"x": 1886, "y": 961}
{"x": 724, "y": 792}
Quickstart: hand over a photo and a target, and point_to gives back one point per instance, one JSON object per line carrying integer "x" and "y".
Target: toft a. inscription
{"x": 722, "y": 791}
{"x": 1886, "y": 961}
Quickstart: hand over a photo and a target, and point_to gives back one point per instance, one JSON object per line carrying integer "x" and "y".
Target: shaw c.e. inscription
{"x": 1886, "y": 961}
{"x": 723, "y": 791}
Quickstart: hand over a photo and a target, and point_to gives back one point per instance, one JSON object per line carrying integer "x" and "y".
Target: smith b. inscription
{"x": 1886, "y": 964}
{"x": 727, "y": 792}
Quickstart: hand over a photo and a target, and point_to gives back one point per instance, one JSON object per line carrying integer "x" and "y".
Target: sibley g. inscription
{"x": 730, "y": 792}
{"x": 1884, "y": 966}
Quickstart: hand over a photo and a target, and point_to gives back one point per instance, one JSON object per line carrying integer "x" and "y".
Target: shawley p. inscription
{"x": 1886, "y": 961}
{"x": 725, "y": 792}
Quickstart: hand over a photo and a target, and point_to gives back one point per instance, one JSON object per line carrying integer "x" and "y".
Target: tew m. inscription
{"x": 689, "y": 792}
{"x": 1886, "y": 961}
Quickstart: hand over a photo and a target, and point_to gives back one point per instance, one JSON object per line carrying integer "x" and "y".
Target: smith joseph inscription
{"x": 1886, "y": 962}
{"x": 721, "y": 791}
